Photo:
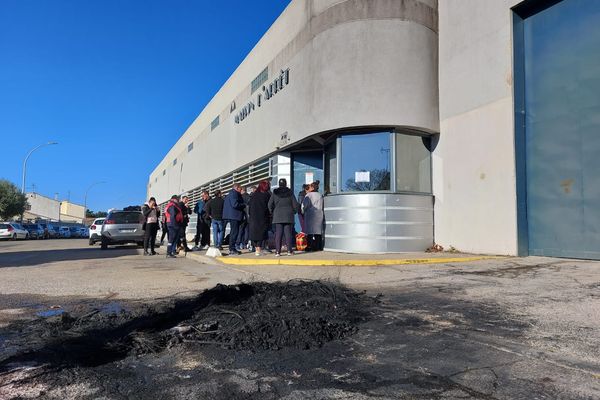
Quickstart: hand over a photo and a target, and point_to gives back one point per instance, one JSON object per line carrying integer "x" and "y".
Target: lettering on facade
{"x": 268, "y": 91}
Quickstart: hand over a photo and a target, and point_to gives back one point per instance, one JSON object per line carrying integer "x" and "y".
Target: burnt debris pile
{"x": 296, "y": 314}
{"x": 250, "y": 316}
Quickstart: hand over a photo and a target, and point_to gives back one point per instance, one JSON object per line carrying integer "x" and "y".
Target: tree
{"x": 98, "y": 214}
{"x": 12, "y": 201}
{"x": 379, "y": 179}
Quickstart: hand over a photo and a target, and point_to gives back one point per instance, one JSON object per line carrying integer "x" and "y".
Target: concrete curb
{"x": 291, "y": 261}
{"x": 203, "y": 259}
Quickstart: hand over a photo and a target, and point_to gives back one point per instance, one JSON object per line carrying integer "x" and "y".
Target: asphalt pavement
{"x": 503, "y": 328}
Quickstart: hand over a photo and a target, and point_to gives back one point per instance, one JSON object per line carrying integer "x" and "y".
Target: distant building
{"x": 41, "y": 207}
{"x": 71, "y": 212}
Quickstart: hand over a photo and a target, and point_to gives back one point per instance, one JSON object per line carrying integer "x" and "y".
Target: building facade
{"x": 41, "y": 207}
{"x": 71, "y": 212}
{"x": 425, "y": 122}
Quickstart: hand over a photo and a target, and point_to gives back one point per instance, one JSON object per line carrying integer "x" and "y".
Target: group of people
{"x": 173, "y": 221}
{"x": 250, "y": 217}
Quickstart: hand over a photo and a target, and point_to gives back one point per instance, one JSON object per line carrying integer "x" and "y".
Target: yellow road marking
{"x": 353, "y": 263}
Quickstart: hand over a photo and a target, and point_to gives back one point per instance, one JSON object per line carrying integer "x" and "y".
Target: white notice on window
{"x": 309, "y": 177}
{"x": 362, "y": 176}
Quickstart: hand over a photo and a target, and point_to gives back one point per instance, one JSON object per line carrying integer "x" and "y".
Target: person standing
{"x": 151, "y": 216}
{"x": 283, "y": 206}
{"x": 233, "y": 213}
{"x": 203, "y": 224}
{"x": 259, "y": 218}
{"x": 312, "y": 208}
{"x": 164, "y": 229}
{"x": 174, "y": 219}
{"x": 242, "y": 239}
{"x": 214, "y": 211}
{"x": 183, "y": 204}
{"x": 301, "y": 195}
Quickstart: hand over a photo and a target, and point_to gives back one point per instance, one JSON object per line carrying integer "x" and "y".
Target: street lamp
{"x": 25, "y": 163}
{"x": 85, "y": 199}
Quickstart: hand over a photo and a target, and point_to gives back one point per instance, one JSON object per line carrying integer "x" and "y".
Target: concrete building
{"x": 71, "y": 212}
{"x": 467, "y": 123}
{"x": 41, "y": 207}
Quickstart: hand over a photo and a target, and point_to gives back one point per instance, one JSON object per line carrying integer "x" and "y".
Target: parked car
{"x": 46, "y": 228}
{"x": 84, "y": 232}
{"x": 122, "y": 227}
{"x": 95, "y": 231}
{"x": 12, "y": 231}
{"x": 55, "y": 232}
{"x": 75, "y": 232}
{"x": 65, "y": 232}
{"x": 35, "y": 231}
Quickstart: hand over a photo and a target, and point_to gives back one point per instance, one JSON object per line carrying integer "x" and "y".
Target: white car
{"x": 95, "y": 231}
{"x": 12, "y": 231}
{"x": 64, "y": 232}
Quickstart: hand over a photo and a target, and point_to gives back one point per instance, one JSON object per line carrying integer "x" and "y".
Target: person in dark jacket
{"x": 233, "y": 213}
{"x": 259, "y": 217}
{"x": 151, "y": 217}
{"x": 214, "y": 210}
{"x": 183, "y": 204}
{"x": 301, "y": 195}
{"x": 242, "y": 239}
{"x": 174, "y": 218}
{"x": 203, "y": 224}
{"x": 283, "y": 206}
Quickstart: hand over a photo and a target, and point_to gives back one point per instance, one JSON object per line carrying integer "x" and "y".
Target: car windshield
{"x": 126, "y": 217}
{"x": 98, "y": 222}
{"x": 3, "y": 226}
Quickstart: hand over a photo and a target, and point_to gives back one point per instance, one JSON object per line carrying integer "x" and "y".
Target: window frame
{"x": 393, "y": 160}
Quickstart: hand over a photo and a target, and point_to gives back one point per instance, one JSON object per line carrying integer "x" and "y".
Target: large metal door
{"x": 562, "y": 129}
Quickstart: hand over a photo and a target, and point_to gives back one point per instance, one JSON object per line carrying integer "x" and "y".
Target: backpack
{"x": 178, "y": 213}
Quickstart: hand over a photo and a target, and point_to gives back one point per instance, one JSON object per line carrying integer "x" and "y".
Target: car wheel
{"x": 27, "y": 236}
{"x": 103, "y": 244}
{"x": 140, "y": 244}
{"x": 14, "y": 236}
{"x": 91, "y": 242}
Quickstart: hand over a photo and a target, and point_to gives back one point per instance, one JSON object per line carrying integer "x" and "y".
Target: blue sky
{"x": 115, "y": 82}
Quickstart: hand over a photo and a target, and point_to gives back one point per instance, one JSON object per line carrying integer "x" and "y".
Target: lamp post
{"x": 25, "y": 163}
{"x": 85, "y": 199}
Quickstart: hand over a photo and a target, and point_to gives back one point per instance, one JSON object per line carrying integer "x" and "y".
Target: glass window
{"x": 413, "y": 163}
{"x": 259, "y": 80}
{"x": 366, "y": 162}
{"x": 190, "y": 147}
{"x": 164, "y": 172}
{"x": 175, "y": 162}
{"x": 331, "y": 168}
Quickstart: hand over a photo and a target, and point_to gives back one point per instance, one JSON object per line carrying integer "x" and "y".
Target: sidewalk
{"x": 328, "y": 258}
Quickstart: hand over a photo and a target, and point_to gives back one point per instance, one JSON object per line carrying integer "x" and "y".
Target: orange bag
{"x": 301, "y": 241}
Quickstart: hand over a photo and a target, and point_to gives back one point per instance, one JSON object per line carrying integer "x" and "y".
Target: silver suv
{"x": 122, "y": 227}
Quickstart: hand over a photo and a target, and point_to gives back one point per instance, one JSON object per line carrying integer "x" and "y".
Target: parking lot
{"x": 494, "y": 329}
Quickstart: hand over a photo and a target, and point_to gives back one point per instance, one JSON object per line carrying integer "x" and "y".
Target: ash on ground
{"x": 249, "y": 316}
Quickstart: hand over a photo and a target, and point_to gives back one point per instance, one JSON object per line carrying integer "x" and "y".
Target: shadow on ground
{"x": 37, "y": 257}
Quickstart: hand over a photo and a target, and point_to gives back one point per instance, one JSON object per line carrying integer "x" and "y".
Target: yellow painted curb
{"x": 347, "y": 263}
